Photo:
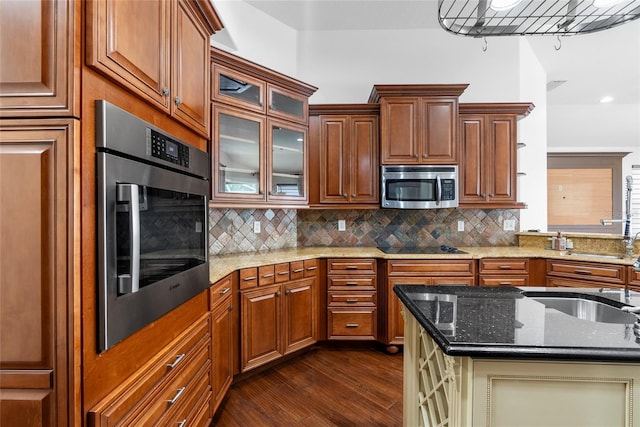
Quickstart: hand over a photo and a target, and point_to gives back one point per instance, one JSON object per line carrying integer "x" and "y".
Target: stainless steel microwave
{"x": 419, "y": 187}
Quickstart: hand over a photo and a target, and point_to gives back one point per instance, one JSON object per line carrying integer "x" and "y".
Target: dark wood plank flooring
{"x": 325, "y": 386}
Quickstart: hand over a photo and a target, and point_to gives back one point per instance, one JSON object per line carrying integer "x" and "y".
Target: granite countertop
{"x": 500, "y": 322}
{"x": 221, "y": 265}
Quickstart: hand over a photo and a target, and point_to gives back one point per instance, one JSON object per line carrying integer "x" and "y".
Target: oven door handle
{"x": 438, "y": 190}
{"x": 129, "y": 282}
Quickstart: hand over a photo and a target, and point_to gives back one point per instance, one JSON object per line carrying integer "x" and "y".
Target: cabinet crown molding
{"x": 521, "y": 109}
{"x": 317, "y": 109}
{"x": 380, "y": 91}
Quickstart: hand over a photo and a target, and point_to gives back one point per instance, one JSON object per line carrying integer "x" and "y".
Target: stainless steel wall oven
{"x": 152, "y": 208}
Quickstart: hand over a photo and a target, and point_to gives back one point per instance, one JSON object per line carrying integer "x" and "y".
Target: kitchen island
{"x": 503, "y": 356}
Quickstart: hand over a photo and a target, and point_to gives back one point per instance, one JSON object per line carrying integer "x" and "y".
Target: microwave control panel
{"x": 169, "y": 150}
{"x": 448, "y": 189}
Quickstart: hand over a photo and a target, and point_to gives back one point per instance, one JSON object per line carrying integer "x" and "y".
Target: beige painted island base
{"x": 441, "y": 390}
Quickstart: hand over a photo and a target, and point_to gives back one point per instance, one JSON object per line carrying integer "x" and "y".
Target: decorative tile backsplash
{"x": 231, "y": 230}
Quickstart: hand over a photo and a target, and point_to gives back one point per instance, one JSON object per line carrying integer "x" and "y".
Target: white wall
{"x": 532, "y": 131}
{"x": 256, "y": 36}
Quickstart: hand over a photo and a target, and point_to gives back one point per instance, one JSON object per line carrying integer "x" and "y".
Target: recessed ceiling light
{"x": 606, "y": 99}
{"x": 507, "y": 4}
{"x": 605, "y": 3}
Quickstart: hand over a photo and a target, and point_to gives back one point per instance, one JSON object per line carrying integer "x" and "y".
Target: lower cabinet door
{"x": 261, "y": 319}
{"x": 222, "y": 351}
{"x": 299, "y": 314}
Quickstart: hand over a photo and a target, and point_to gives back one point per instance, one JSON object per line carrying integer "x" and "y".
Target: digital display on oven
{"x": 171, "y": 149}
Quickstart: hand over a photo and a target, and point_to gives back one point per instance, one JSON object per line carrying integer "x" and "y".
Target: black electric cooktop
{"x": 443, "y": 249}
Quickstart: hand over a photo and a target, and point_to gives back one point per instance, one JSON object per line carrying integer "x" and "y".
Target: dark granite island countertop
{"x": 500, "y": 322}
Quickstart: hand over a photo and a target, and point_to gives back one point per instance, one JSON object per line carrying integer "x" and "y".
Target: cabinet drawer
{"x": 562, "y": 282}
{"x": 219, "y": 290}
{"x": 504, "y": 280}
{"x": 248, "y": 278}
{"x": 504, "y": 266}
{"x": 266, "y": 275}
{"x": 358, "y": 298}
{"x": 296, "y": 270}
{"x": 608, "y": 273}
{"x": 281, "y": 272}
{"x": 460, "y": 267}
{"x": 351, "y": 282}
{"x": 167, "y": 401}
{"x": 129, "y": 400}
{"x": 347, "y": 323}
{"x": 351, "y": 266}
{"x": 310, "y": 267}
{"x": 194, "y": 398}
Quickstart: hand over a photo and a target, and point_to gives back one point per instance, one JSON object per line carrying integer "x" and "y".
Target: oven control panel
{"x": 167, "y": 149}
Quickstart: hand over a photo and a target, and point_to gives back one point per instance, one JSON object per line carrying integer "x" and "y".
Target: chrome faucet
{"x": 627, "y": 221}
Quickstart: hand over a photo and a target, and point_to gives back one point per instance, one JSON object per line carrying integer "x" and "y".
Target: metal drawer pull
{"x": 352, "y": 300}
{"x": 283, "y": 272}
{"x": 298, "y": 270}
{"x": 505, "y": 267}
{"x": 312, "y": 268}
{"x": 175, "y": 362}
{"x": 225, "y": 291}
{"x": 351, "y": 284}
{"x": 182, "y": 423}
{"x": 267, "y": 275}
{"x": 351, "y": 267}
{"x": 582, "y": 272}
{"x": 177, "y": 396}
{"x": 352, "y": 325}
{"x": 246, "y": 279}
{"x": 506, "y": 283}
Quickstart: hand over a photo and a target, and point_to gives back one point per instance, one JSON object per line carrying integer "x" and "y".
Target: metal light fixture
{"x": 485, "y": 18}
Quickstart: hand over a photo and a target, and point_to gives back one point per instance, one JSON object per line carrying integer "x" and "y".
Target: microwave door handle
{"x": 130, "y": 282}
{"x": 438, "y": 191}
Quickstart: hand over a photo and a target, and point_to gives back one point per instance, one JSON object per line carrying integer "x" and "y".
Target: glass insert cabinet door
{"x": 287, "y": 105}
{"x": 238, "y": 155}
{"x": 287, "y": 159}
{"x": 239, "y": 89}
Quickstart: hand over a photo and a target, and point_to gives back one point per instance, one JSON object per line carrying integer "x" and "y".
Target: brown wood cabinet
{"x": 223, "y": 347}
{"x": 419, "y": 272}
{"x": 39, "y": 70}
{"x": 38, "y": 215}
{"x": 343, "y": 139}
{"x": 352, "y": 295}
{"x": 504, "y": 272}
{"x": 633, "y": 279}
{"x": 279, "y": 315}
{"x": 488, "y": 162}
{"x": 157, "y": 50}
{"x": 259, "y": 140}
{"x": 418, "y": 123}
{"x": 171, "y": 388}
{"x": 585, "y": 274}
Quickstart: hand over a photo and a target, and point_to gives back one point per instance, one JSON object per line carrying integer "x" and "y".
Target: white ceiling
{"x": 594, "y": 65}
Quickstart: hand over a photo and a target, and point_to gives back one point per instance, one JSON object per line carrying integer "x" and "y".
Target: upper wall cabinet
{"x": 39, "y": 72}
{"x": 158, "y": 50}
{"x": 488, "y": 161}
{"x": 259, "y": 139}
{"x": 418, "y": 123}
{"x": 343, "y": 141}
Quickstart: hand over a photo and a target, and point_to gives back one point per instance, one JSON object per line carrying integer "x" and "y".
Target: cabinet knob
{"x": 424, "y": 155}
{"x": 491, "y": 195}
{"x": 165, "y": 91}
{"x": 415, "y": 156}
{"x": 278, "y": 293}
{"x": 178, "y": 101}
{"x": 482, "y": 195}
{"x": 344, "y": 195}
{"x": 287, "y": 292}
{"x": 353, "y": 196}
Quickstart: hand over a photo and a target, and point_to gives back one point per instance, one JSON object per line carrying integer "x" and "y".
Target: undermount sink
{"x": 583, "y": 308}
